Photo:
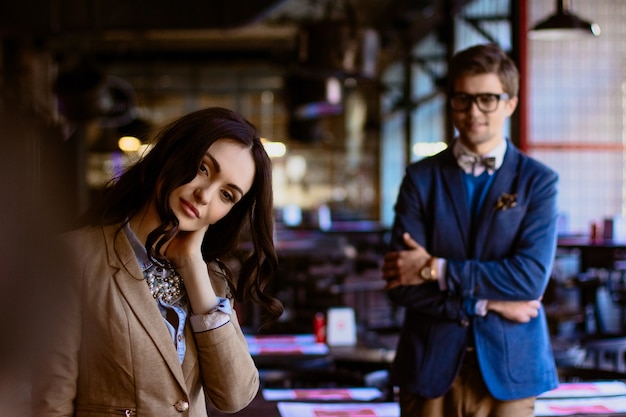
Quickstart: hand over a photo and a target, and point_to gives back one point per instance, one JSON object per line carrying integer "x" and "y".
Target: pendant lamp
{"x": 564, "y": 25}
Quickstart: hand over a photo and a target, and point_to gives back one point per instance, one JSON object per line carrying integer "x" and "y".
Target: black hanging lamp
{"x": 564, "y": 25}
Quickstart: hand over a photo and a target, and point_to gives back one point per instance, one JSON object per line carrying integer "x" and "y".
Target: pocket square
{"x": 506, "y": 201}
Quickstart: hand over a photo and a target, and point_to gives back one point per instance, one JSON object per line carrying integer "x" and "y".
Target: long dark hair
{"x": 174, "y": 161}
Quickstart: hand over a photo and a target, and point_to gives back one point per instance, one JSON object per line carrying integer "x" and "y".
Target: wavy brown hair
{"x": 174, "y": 160}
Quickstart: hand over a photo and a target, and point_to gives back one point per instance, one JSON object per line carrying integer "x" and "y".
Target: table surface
{"x": 259, "y": 407}
{"x": 585, "y": 241}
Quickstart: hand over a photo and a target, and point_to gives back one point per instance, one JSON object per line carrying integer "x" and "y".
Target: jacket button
{"x": 465, "y": 323}
{"x": 181, "y": 406}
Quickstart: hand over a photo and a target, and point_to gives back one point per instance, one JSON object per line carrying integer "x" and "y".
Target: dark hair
{"x": 174, "y": 160}
{"x": 485, "y": 59}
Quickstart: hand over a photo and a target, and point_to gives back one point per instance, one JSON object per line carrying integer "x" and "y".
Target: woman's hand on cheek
{"x": 185, "y": 251}
{"x": 186, "y": 246}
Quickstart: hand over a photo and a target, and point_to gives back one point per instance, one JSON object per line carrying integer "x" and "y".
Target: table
{"x": 297, "y": 361}
{"x": 257, "y": 408}
{"x": 596, "y": 398}
{"x": 279, "y": 353}
{"x": 293, "y": 350}
{"x": 595, "y": 253}
{"x": 288, "y": 351}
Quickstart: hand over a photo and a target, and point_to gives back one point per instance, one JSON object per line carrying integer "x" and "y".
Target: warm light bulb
{"x": 129, "y": 144}
{"x": 274, "y": 149}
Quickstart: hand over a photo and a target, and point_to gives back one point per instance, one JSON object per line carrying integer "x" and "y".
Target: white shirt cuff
{"x": 441, "y": 273}
{"x": 217, "y": 317}
{"x": 481, "y": 308}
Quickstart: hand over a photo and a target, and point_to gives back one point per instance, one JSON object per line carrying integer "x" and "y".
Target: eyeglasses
{"x": 486, "y": 102}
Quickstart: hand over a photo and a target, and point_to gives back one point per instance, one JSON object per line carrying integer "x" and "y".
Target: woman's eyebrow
{"x": 216, "y": 166}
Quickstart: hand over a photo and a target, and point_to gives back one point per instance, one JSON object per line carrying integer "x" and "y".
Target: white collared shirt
{"x": 497, "y": 153}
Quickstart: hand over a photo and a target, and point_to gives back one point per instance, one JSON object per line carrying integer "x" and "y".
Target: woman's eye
{"x": 203, "y": 168}
{"x": 228, "y": 196}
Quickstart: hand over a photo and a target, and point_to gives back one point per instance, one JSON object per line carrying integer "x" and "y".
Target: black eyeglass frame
{"x": 474, "y": 98}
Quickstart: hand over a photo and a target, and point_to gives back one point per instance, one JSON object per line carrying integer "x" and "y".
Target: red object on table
{"x": 319, "y": 327}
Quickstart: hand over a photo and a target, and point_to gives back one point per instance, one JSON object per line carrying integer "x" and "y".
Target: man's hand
{"x": 517, "y": 311}
{"x": 403, "y": 267}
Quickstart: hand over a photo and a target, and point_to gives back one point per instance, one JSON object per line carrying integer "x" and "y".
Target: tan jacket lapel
{"x": 190, "y": 363}
{"x": 133, "y": 288}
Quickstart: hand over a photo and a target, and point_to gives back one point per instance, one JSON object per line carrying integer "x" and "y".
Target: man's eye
{"x": 487, "y": 98}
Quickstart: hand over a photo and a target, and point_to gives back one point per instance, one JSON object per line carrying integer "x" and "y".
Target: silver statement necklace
{"x": 165, "y": 284}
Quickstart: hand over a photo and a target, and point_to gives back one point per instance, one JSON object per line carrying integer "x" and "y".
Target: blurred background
{"x": 345, "y": 93}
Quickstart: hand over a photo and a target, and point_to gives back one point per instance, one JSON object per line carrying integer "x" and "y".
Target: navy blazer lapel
{"x": 456, "y": 194}
{"x": 504, "y": 182}
{"x": 129, "y": 278}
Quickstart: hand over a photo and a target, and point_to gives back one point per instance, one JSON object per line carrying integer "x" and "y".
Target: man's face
{"x": 480, "y": 130}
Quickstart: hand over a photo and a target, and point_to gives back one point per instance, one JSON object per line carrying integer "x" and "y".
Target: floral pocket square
{"x": 506, "y": 201}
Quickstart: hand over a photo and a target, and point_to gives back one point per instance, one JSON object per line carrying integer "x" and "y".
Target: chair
{"x": 577, "y": 374}
{"x": 608, "y": 353}
{"x": 616, "y": 285}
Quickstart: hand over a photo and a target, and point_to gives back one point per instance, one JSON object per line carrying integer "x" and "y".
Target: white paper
{"x": 297, "y": 409}
{"x": 322, "y": 394}
{"x": 341, "y": 327}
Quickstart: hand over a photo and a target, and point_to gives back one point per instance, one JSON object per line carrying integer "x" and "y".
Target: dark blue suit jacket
{"x": 509, "y": 257}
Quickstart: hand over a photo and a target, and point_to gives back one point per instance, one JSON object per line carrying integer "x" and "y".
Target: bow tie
{"x": 476, "y": 165}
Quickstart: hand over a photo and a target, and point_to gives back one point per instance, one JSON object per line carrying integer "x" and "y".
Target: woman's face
{"x": 224, "y": 176}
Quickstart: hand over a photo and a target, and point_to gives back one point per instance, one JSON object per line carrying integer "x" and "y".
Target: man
{"x": 472, "y": 247}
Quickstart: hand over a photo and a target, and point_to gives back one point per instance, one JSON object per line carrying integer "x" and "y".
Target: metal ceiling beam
{"x": 55, "y": 16}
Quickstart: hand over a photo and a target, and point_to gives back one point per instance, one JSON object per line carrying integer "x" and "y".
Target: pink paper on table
{"x": 593, "y": 408}
{"x": 577, "y": 387}
{"x": 281, "y": 349}
{"x": 577, "y": 406}
{"x": 302, "y": 409}
{"x": 323, "y": 394}
{"x": 364, "y": 412}
{"x": 586, "y": 390}
{"x": 297, "y": 344}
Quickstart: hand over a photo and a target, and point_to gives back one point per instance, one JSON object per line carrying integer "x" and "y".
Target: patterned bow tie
{"x": 476, "y": 165}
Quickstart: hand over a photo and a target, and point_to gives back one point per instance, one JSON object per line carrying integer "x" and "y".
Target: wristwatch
{"x": 429, "y": 270}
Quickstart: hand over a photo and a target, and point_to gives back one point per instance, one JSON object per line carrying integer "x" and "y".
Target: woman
{"x": 147, "y": 327}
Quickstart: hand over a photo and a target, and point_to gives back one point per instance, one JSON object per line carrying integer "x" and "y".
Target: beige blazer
{"x": 112, "y": 354}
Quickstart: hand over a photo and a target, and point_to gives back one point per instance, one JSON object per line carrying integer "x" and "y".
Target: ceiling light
{"x": 564, "y": 25}
{"x": 274, "y": 149}
{"x": 129, "y": 144}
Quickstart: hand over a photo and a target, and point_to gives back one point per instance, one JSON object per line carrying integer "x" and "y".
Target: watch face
{"x": 426, "y": 272}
